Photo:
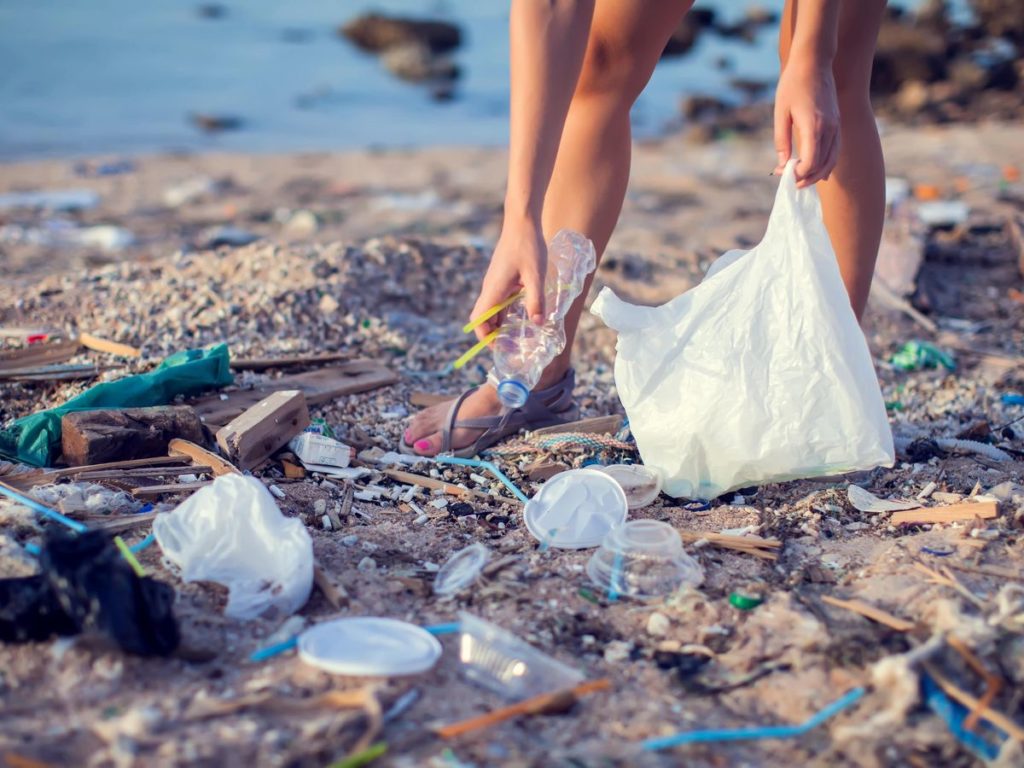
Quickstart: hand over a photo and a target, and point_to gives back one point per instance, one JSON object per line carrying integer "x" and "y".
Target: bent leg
{"x": 853, "y": 198}
{"x": 588, "y": 183}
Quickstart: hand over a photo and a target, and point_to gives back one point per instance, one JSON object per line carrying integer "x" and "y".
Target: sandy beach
{"x": 385, "y": 267}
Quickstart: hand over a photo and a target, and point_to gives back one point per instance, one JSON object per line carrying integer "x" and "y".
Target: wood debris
{"x": 104, "y": 435}
{"x": 252, "y": 437}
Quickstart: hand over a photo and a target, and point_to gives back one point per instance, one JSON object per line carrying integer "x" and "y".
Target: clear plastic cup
{"x": 643, "y": 559}
{"x": 461, "y": 570}
{"x": 498, "y": 660}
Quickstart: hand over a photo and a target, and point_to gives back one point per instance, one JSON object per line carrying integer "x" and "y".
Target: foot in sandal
{"x": 476, "y": 420}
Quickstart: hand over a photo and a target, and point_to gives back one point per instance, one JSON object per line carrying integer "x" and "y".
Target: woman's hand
{"x": 519, "y": 263}
{"x": 806, "y": 100}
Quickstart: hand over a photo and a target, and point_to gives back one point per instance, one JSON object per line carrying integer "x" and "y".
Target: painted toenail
{"x": 407, "y": 436}
{"x": 422, "y": 445}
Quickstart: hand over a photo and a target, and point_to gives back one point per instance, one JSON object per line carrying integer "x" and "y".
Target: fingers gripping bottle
{"x": 522, "y": 350}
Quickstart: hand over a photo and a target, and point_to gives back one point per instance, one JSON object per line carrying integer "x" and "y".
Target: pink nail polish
{"x": 422, "y": 445}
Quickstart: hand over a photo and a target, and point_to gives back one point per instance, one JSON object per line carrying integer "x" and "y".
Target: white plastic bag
{"x": 232, "y": 532}
{"x": 760, "y": 373}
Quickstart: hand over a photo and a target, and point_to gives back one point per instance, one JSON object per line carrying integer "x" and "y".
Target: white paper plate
{"x": 367, "y": 646}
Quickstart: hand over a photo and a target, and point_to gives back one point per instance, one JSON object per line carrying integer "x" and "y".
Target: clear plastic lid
{"x": 640, "y": 484}
{"x": 368, "y": 646}
{"x": 461, "y": 569}
{"x": 576, "y": 509}
{"x": 643, "y": 559}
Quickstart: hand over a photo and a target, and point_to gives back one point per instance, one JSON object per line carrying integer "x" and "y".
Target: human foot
{"x": 425, "y": 432}
{"x": 476, "y": 419}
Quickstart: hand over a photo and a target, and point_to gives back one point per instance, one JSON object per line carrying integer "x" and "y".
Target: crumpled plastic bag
{"x": 760, "y": 373}
{"x": 231, "y": 532}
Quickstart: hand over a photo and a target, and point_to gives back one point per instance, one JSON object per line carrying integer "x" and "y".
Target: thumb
{"x": 783, "y": 138}
{"x": 533, "y": 284}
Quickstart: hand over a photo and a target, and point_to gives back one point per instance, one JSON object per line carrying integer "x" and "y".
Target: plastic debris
{"x": 749, "y": 734}
{"x": 461, "y": 570}
{"x": 490, "y": 467}
{"x": 713, "y": 410}
{"x": 643, "y": 559}
{"x": 943, "y": 213}
{"x": 641, "y": 484}
{"x": 369, "y": 646}
{"x": 576, "y": 509}
{"x": 231, "y": 532}
{"x": 86, "y": 586}
{"x": 917, "y": 355}
{"x": 51, "y": 200}
{"x": 865, "y": 501}
{"x": 501, "y": 662}
{"x": 743, "y": 601}
{"x": 953, "y": 714}
{"x": 36, "y": 439}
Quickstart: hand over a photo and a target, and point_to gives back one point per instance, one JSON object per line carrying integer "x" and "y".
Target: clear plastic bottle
{"x": 522, "y": 350}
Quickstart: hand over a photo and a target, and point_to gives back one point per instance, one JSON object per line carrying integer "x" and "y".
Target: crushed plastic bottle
{"x": 522, "y": 350}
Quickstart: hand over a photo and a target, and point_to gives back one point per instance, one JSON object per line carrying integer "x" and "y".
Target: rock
{"x": 230, "y": 236}
{"x": 302, "y": 223}
{"x": 616, "y": 651}
{"x": 328, "y": 304}
{"x": 1000, "y": 18}
{"x": 906, "y": 53}
{"x": 367, "y": 565}
{"x": 658, "y": 624}
{"x": 209, "y": 123}
{"x": 689, "y": 29}
{"x": 913, "y": 97}
{"x": 416, "y": 63}
{"x": 377, "y": 32}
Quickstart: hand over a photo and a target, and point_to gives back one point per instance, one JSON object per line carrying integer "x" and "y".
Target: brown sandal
{"x": 544, "y": 408}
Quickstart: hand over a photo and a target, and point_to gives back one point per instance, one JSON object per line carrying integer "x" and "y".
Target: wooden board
{"x": 253, "y": 436}
{"x": 37, "y": 355}
{"x": 110, "y": 347}
{"x": 103, "y": 435}
{"x": 320, "y": 386}
{"x": 598, "y": 425}
{"x": 984, "y": 510}
{"x": 285, "y": 361}
{"x": 201, "y": 456}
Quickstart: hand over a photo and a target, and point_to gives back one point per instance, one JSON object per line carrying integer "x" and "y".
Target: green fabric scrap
{"x": 36, "y": 439}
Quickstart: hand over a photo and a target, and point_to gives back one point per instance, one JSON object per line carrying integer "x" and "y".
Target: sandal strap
{"x": 449, "y": 421}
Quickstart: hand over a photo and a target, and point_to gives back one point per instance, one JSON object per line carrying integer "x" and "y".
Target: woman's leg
{"x": 853, "y": 198}
{"x": 588, "y": 184}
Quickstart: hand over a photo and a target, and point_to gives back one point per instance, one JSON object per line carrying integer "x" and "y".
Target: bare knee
{"x": 610, "y": 71}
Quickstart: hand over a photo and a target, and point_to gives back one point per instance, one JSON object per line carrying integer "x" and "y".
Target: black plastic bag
{"x": 86, "y": 586}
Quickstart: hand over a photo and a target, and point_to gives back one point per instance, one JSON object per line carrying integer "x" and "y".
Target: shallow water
{"x": 111, "y": 76}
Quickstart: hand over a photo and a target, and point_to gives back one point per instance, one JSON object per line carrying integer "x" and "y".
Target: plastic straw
{"x": 273, "y": 650}
{"x": 42, "y": 509}
{"x": 475, "y": 350}
{"x": 476, "y": 323}
{"x": 763, "y": 732}
{"x": 127, "y": 554}
{"x": 146, "y": 542}
{"x": 443, "y": 629}
{"x": 490, "y": 467}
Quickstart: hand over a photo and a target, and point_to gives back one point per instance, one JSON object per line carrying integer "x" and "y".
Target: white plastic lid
{"x": 640, "y": 484}
{"x": 576, "y": 509}
{"x": 461, "y": 569}
{"x": 368, "y": 646}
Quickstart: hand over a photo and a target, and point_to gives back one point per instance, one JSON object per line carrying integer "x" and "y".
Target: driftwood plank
{"x": 253, "y": 436}
{"x": 96, "y": 436}
{"x": 320, "y": 386}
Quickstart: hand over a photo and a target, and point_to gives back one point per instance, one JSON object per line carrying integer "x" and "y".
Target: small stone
{"x": 350, "y": 540}
{"x": 277, "y": 492}
{"x": 328, "y": 304}
{"x": 367, "y": 565}
{"x": 420, "y": 520}
{"x": 658, "y": 624}
{"x": 616, "y": 651}
{"x": 320, "y": 506}
{"x": 325, "y": 521}
{"x": 301, "y": 224}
